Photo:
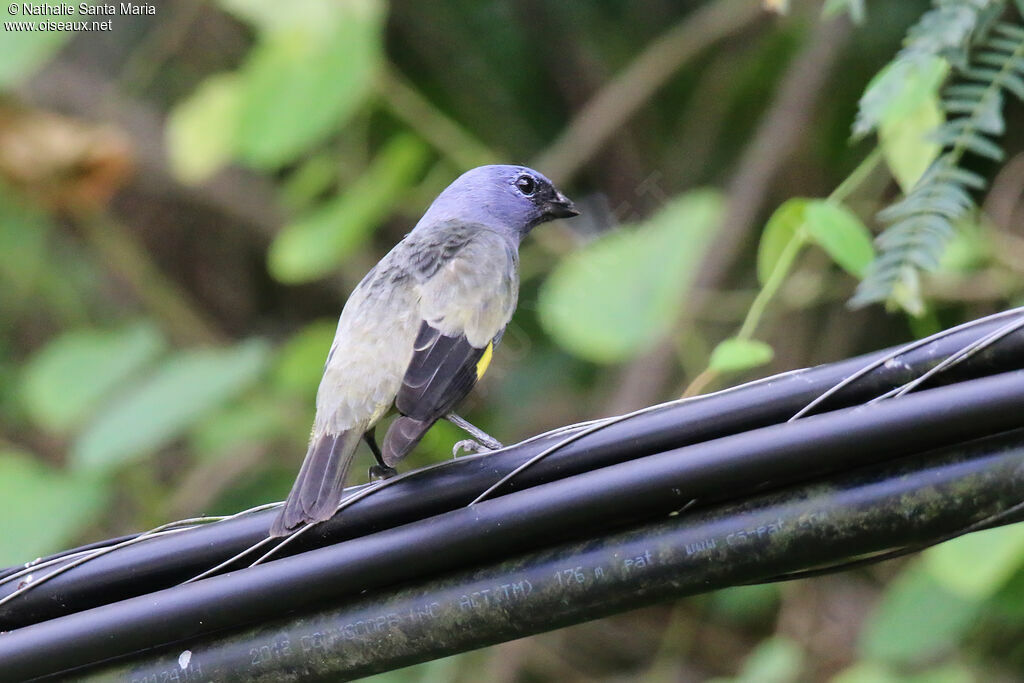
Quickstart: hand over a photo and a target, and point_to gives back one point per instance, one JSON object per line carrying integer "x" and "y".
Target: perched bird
{"x": 419, "y": 330}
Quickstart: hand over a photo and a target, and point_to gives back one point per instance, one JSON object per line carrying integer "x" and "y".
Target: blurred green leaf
{"x": 746, "y": 604}
{"x": 315, "y": 244}
{"x": 36, "y": 274}
{"x": 25, "y": 51}
{"x": 970, "y": 249}
{"x": 312, "y": 179}
{"x": 782, "y": 227}
{"x": 11, "y": 399}
{"x": 774, "y": 660}
{"x": 269, "y": 17}
{"x": 735, "y": 355}
{"x": 311, "y": 69}
{"x": 950, "y": 673}
{"x": 618, "y": 296}
{"x": 866, "y": 672}
{"x": 1008, "y": 602}
{"x": 977, "y": 565}
{"x": 23, "y": 246}
{"x": 855, "y": 8}
{"x": 256, "y": 419}
{"x": 874, "y": 672}
{"x": 66, "y": 380}
{"x": 917, "y": 619}
{"x": 42, "y": 508}
{"x": 906, "y": 294}
{"x": 841, "y": 234}
{"x": 906, "y": 143}
{"x": 300, "y": 362}
{"x": 202, "y": 130}
{"x": 185, "y": 388}
{"x": 898, "y": 90}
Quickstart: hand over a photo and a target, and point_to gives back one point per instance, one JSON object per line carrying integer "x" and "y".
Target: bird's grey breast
{"x": 472, "y": 292}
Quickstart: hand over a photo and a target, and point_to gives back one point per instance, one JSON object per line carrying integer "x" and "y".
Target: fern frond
{"x": 947, "y": 31}
{"x": 921, "y": 224}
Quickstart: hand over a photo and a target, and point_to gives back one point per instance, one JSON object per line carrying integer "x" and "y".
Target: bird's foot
{"x": 380, "y": 472}
{"x": 471, "y": 447}
{"x": 481, "y": 438}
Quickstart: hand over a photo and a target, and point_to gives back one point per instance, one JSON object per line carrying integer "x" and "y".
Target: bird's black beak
{"x": 560, "y": 206}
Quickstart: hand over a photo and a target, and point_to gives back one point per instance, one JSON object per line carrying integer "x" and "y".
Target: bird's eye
{"x": 526, "y": 185}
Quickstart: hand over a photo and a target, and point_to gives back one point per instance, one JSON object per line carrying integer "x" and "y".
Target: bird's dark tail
{"x": 403, "y": 435}
{"x": 314, "y": 496}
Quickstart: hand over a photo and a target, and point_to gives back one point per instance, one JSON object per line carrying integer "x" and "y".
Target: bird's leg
{"x": 380, "y": 470}
{"x": 481, "y": 441}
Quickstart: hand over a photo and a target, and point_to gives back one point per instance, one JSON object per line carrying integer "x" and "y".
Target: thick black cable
{"x": 162, "y": 562}
{"x": 906, "y": 502}
{"x": 591, "y": 502}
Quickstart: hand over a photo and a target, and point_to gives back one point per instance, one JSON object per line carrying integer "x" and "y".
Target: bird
{"x": 419, "y": 331}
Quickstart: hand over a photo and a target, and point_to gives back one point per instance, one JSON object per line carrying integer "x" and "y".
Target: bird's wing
{"x": 442, "y": 371}
{"x": 464, "y": 307}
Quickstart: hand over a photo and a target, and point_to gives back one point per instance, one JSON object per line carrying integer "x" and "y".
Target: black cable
{"x": 591, "y": 502}
{"x": 901, "y": 503}
{"x": 159, "y": 563}
{"x": 1011, "y": 515}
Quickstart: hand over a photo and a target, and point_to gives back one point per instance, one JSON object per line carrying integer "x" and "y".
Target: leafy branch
{"x": 922, "y": 224}
{"x": 796, "y": 224}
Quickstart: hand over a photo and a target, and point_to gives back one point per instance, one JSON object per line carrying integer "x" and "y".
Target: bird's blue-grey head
{"x": 508, "y": 199}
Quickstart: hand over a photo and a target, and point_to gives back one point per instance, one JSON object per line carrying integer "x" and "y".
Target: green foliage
{"x": 316, "y": 243}
{"x": 253, "y": 420}
{"x": 943, "y": 34}
{"x": 746, "y": 604}
{"x": 899, "y": 90}
{"x": 775, "y": 660}
{"x": 43, "y": 508}
{"x": 202, "y": 130}
{"x": 875, "y": 672}
{"x": 794, "y": 224}
{"x": 735, "y": 355}
{"x": 616, "y": 297}
{"x": 67, "y": 380}
{"x": 23, "y": 244}
{"x": 24, "y": 51}
{"x": 781, "y": 230}
{"x": 971, "y": 248}
{"x": 922, "y": 224}
{"x": 185, "y": 387}
{"x": 917, "y": 619}
{"x": 1007, "y": 605}
{"x": 855, "y": 8}
{"x": 311, "y": 69}
{"x": 830, "y": 225}
{"x": 310, "y": 51}
{"x": 906, "y": 140}
{"x": 300, "y": 360}
{"x": 841, "y": 234}
{"x": 956, "y": 564}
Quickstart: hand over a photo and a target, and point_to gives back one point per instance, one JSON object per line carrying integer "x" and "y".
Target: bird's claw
{"x": 379, "y": 472}
{"x": 470, "y": 446}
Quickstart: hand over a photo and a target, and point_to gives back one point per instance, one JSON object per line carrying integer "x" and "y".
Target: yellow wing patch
{"x": 485, "y": 360}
